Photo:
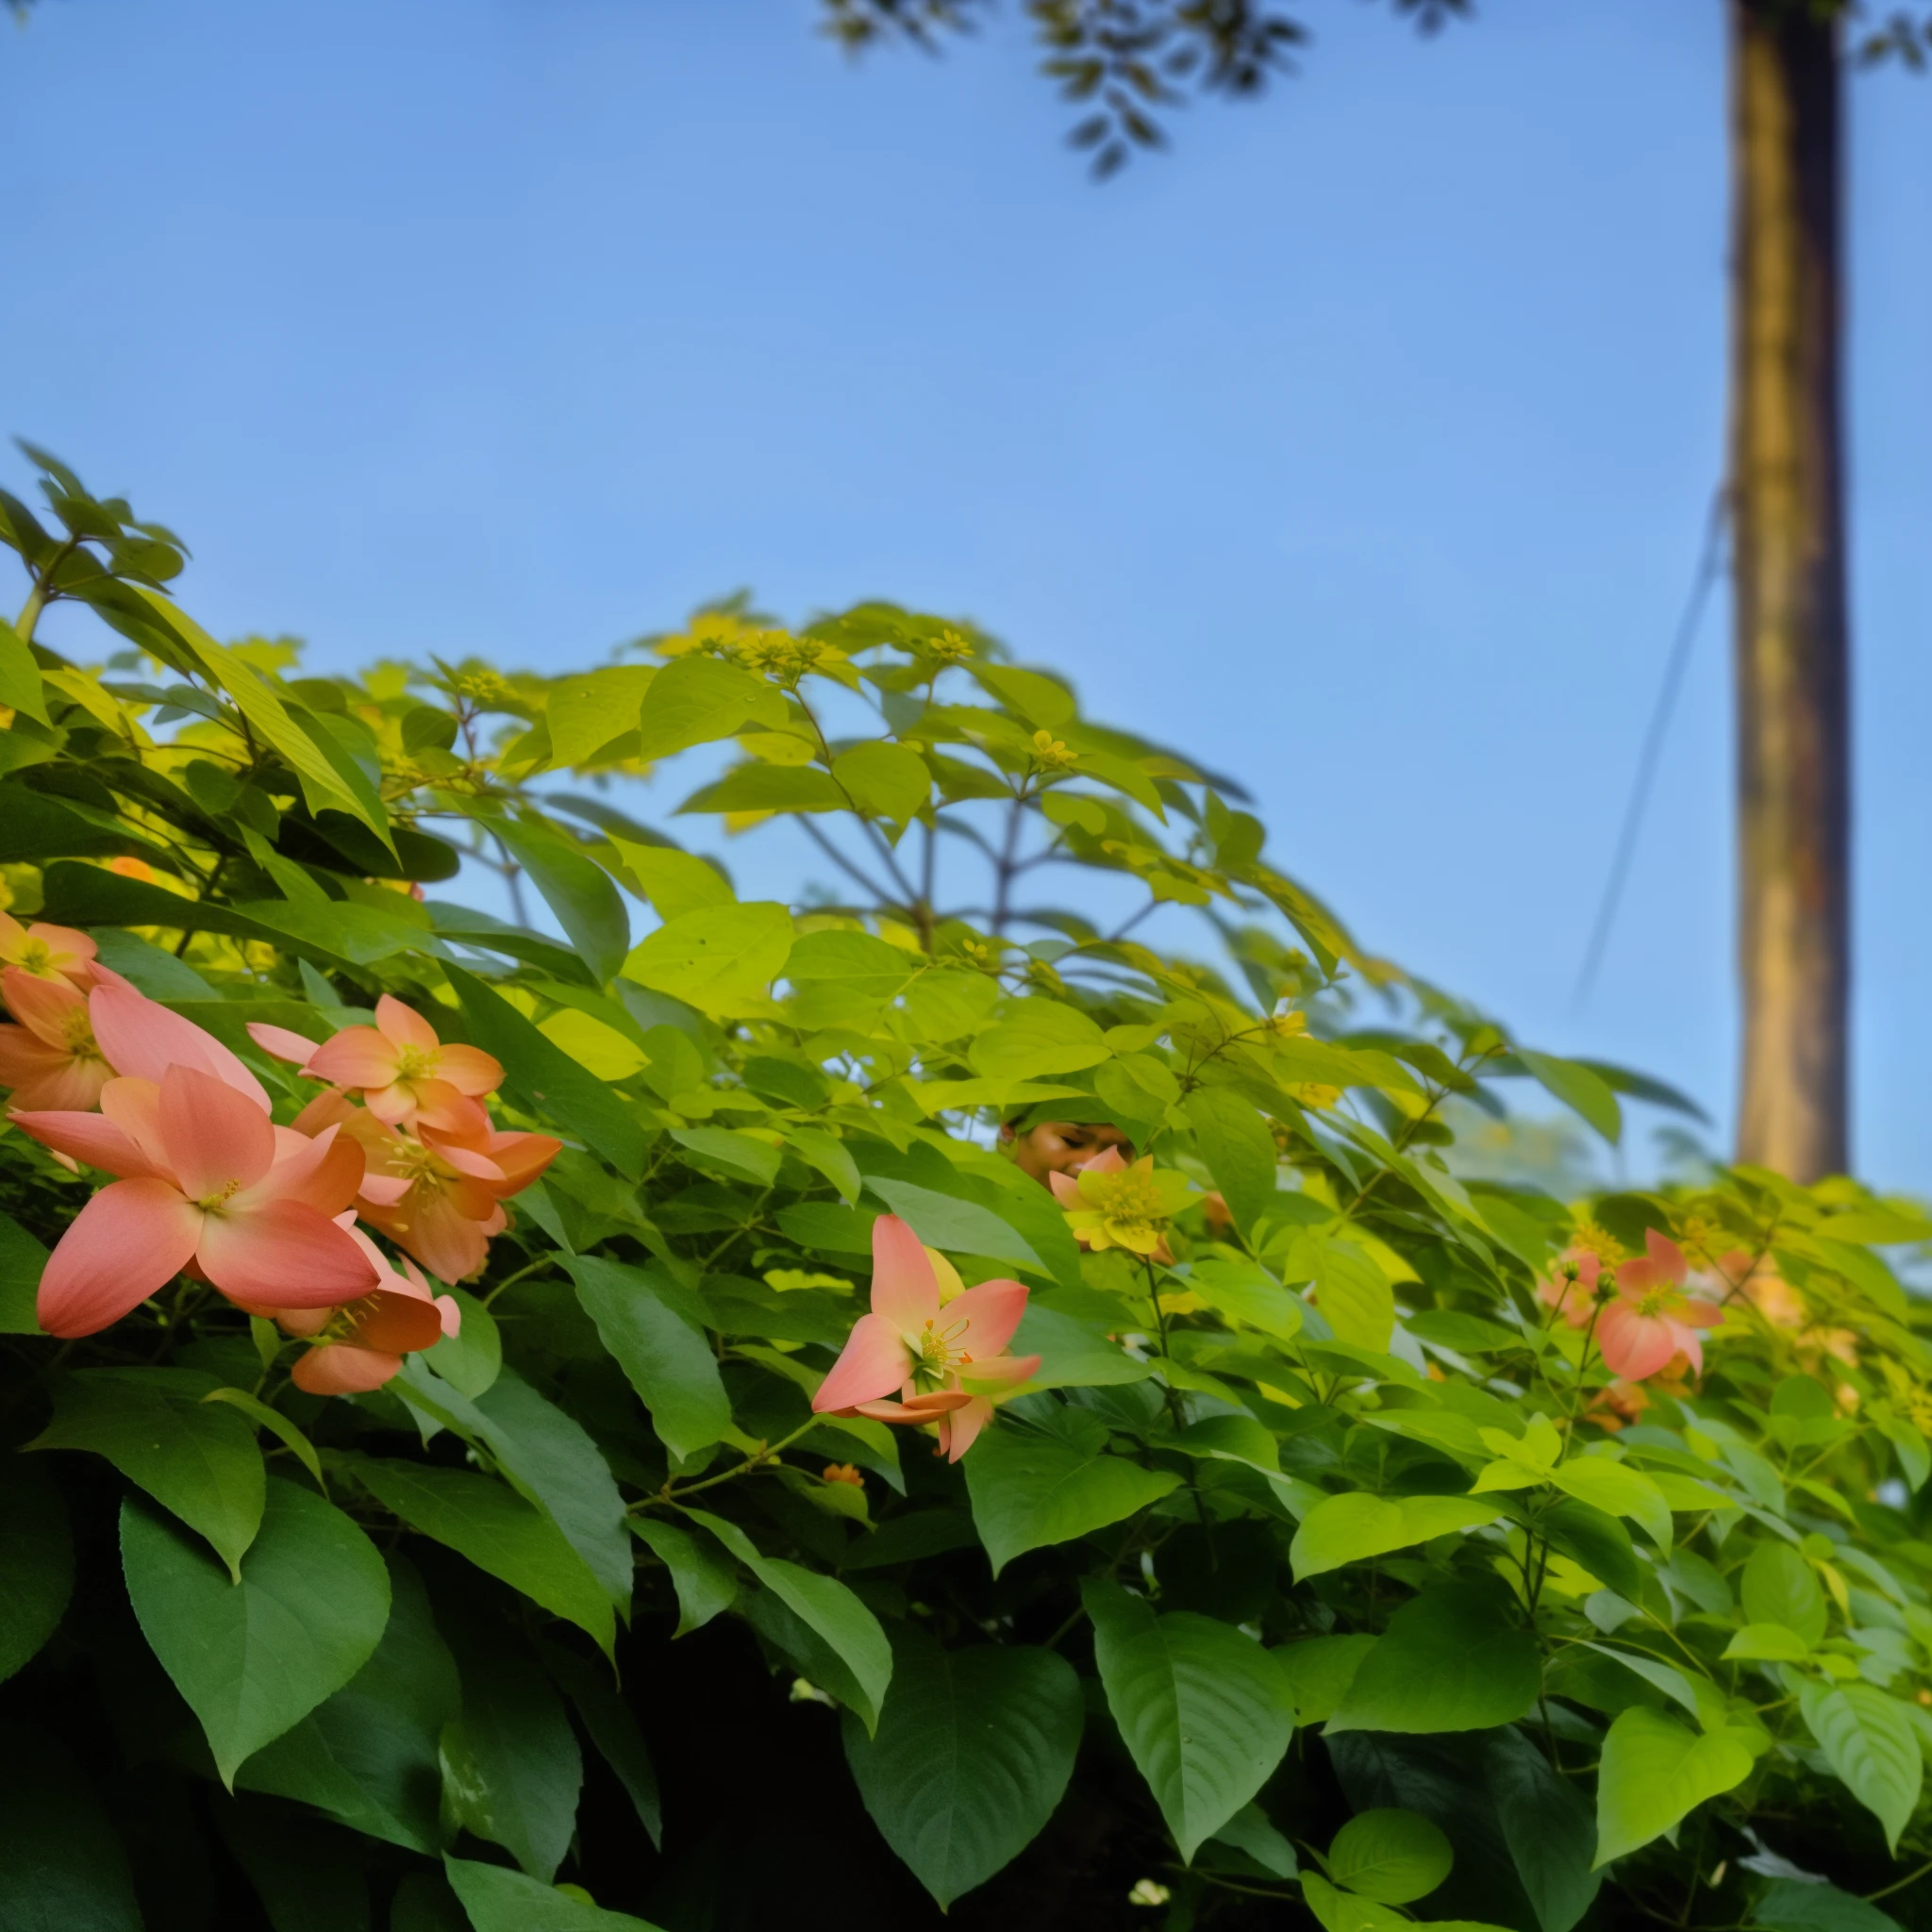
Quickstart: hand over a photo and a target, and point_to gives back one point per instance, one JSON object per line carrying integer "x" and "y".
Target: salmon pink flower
{"x": 360, "y": 1345}
{"x": 1110, "y": 1204}
{"x": 51, "y": 1059}
{"x": 1651, "y": 1318}
{"x": 207, "y": 1179}
{"x": 47, "y": 952}
{"x": 142, "y": 1039}
{"x": 404, "y": 1071}
{"x": 946, "y": 1361}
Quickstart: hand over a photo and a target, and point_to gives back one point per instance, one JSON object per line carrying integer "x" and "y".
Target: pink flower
{"x": 207, "y": 1180}
{"x": 1650, "y": 1318}
{"x": 1572, "y": 1286}
{"x": 51, "y": 1059}
{"x": 47, "y": 952}
{"x": 141, "y": 1039}
{"x": 360, "y": 1346}
{"x": 947, "y": 1362}
{"x": 403, "y": 1071}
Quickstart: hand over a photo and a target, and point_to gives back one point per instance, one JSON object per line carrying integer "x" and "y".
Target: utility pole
{"x": 1791, "y": 630}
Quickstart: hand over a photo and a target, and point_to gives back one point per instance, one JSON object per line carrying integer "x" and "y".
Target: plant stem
{"x": 765, "y": 1453}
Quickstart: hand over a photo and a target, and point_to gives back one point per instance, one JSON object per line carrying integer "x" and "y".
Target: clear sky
{"x": 1361, "y": 444}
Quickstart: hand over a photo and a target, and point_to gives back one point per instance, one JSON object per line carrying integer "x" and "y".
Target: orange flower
{"x": 47, "y": 952}
{"x": 51, "y": 1059}
{"x": 403, "y": 1071}
{"x": 361, "y": 1345}
{"x": 1652, "y": 1319}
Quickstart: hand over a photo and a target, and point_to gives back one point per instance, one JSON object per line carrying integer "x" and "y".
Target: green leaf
{"x": 309, "y": 1876}
{"x": 1779, "y": 1586}
{"x": 1346, "y": 1529}
{"x": 1579, "y": 1089}
{"x": 499, "y": 1900}
{"x": 973, "y": 1752}
{"x": 278, "y": 1425}
{"x": 1040, "y": 700}
{"x": 252, "y": 1659}
{"x": 1792, "y": 1905}
{"x": 587, "y": 906}
{"x": 511, "y": 1766}
{"x": 1239, "y": 1150}
{"x": 1351, "y": 1291}
{"x": 586, "y": 713}
{"x": 1319, "y": 1671}
{"x": 20, "y": 689}
{"x": 548, "y": 1079}
{"x": 1546, "y": 1823}
{"x": 1038, "y": 1037}
{"x": 1245, "y": 1293}
{"x": 21, "y": 1259}
{"x": 646, "y": 1322}
{"x": 1341, "y": 1911}
{"x": 697, "y": 700}
{"x": 1073, "y": 1353}
{"x": 1250, "y": 1831}
{"x": 368, "y": 1754}
{"x": 1389, "y": 1855}
{"x": 674, "y": 882}
{"x": 1654, "y": 1772}
{"x": 953, "y": 1225}
{"x": 485, "y": 1521}
{"x": 1868, "y": 1740}
{"x": 613, "y": 1730}
{"x": 61, "y": 1865}
{"x": 1767, "y": 1642}
{"x": 1203, "y": 1709}
{"x": 705, "y": 1583}
{"x": 769, "y": 787}
{"x": 721, "y": 959}
{"x": 471, "y": 1359}
{"x": 1450, "y": 1660}
{"x": 1031, "y": 1489}
{"x": 1617, "y": 1491}
{"x": 37, "y": 1567}
{"x": 828, "y": 1610}
{"x": 885, "y": 780}
{"x": 201, "y": 1463}
{"x": 743, "y": 1157}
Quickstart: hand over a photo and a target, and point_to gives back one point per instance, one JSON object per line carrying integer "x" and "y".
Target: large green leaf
{"x": 548, "y": 1456}
{"x": 1357, "y": 1524}
{"x": 554, "y": 1085}
{"x": 953, "y": 1225}
{"x": 1239, "y": 1150}
{"x": 1653, "y": 1773}
{"x": 1031, "y": 1489}
{"x": 1547, "y": 1826}
{"x": 972, "y": 1751}
{"x": 309, "y": 1876}
{"x": 487, "y": 1521}
{"x": 1578, "y": 1088}
{"x": 21, "y": 1260}
{"x": 1390, "y": 1854}
{"x": 1801, "y": 1905}
{"x": 1203, "y": 1709}
{"x": 697, "y": 700}
{"x": 252, "y": 1659}
{"x": 705, "y": 1582}
{"x": 499, "y": 1900}
{"x": 199, "y": 1461}
{"x": 645, "y": 1320}
{"x": 720, "y": 959}
{"x": 674, "y": 882}
{"x": 831, "y": 1612}
{"x": 1451, "y": 1659}
{"x": 62, "y": 1866}
{"x": 1617, "y": 1491}
{"x": 612, "y": 1728}
{"x": 1319, "y": 1671}
{"x": 586, "y": 713}
{"x": 368, "y": 1756}
{"x": 885, "y": 780}
{"x": 1038, "y": 1037}
{"x": 1779, "y": 1587}
{"x": 587, "y": 906}
{"x": 770, "y": 787}
{"x": 36, "y": 1562}
{"x": 1868, "y": 1740}
{"x": 511, "y": 1766}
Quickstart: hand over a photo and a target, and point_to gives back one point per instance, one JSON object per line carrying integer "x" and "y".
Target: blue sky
{"x": 1361, "y": 444}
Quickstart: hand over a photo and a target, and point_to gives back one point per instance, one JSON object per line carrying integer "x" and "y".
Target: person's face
{"x": 1062, "y": 1146}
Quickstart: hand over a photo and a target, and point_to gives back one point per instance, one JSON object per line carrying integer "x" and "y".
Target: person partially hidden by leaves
{"x": 1080, "y": 1132}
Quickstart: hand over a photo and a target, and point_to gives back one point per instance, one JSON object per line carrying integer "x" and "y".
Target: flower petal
{"x": 43, "y": 1007}
{"x": 433, "y": 1228}
{"x": 1633, "y": 1346}
{"x": 281, "y": 1043}
{"x": 961, "y": 1430}
{"x": 356, "y": 1056}
{"x": 1066, "y": 1189}
{"x": 142, "y": 1039}
{"x": 61, "y": 1084}
{"x": 216, "y": 1140}
{"x": 338, "y": 1368}
{"x": 404, "y": 1026}
{"x": 921, "y": 1409}
{"x": 323, "y": 1172}
{"x": 469, "y": 1070}
{"x": 284, "y": 1256}
{"x": 522, "y": 1157}
{"x": 92, "y": 1137}
{"x": 397, "y": 1319}
{"x": 904, "y": 1291}
{"x": 1002, "y": 1374}
{"x": 872, "y": 1363}
{"x": 981, "y": 1321}
{"x": 128, "y": 1240}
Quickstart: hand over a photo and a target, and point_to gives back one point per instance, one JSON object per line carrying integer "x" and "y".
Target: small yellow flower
{"x": 844, "y": 1472}
{"x": 947, "y": 645}
{"x": 1314, "y": 1093}
{"x": 1596, "y": 1241}
{"x": 1052, "y": 752}
{"x": 1111, "y": 1204}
